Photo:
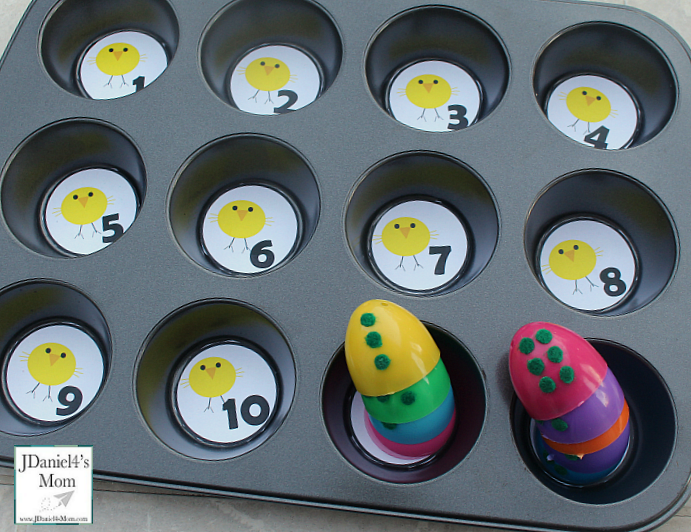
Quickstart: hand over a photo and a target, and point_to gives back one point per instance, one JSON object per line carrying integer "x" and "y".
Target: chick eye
{"x": 47, "y": 349}
{"x": 202, "y": 367}
{"x": 436, "y": 81}
{"x": 63, "y": 355}
{"x": 110, "y": 50}
{"x": 124, "y": 49}
{"x": 91, "y": 194}
{"x": 598, "y": 98}
{"x": 262, "y": 63}
{"x": 561, "y": 252}
{"x": 75, "y": 197}
{"x": 251, "y": 209}
{"x": 277, "y": 65}
{"x": 235, "y": 207}
{"x": 575, "y": 246}
{"x": 412, "y": 226}
{"x": 218, "y": 364}
{"x": 420, "y": 82}
{"x": 396, "y": 226}
{"x": 585, "y": 93}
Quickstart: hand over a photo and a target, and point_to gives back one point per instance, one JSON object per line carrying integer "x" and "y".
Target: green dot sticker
{"x": 587, "y": 264}
{"x": 594, "y": 111}
{"x": 89, "y": 210}
{"x": 121, "y": 64}
{"x": 225, "y": 393}
{"x": 250, "y": 229}
{"x": 526, "y": 346}
{"x": 418, "y": 246}
{"x": 434, "y": 96}
{"x": 53, "y": 373}
{"x": 275, "y": 79}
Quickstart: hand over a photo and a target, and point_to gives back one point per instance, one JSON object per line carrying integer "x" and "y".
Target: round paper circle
{"x": 418, "y": 245}
{"x": 54, "y": 373}
{"x": 120, "y": 64}
{"x": 434, "y": 96}
{"x": 89, "y": 210}
{"x": 250, "y": 229}
{"x": 594, "y": 111}
{"x": 587, "y": 264}
{"x": 275, "y": 79}
{"x": 226, "y": 393}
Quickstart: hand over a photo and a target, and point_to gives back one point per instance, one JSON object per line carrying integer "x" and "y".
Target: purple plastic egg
{"x": 593, "y": 418}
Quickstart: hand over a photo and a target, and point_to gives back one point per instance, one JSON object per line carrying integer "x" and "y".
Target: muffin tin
{"x": 174, "y": 285}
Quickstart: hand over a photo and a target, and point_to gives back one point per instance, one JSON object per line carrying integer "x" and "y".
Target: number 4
{"x": 597, "y": 138}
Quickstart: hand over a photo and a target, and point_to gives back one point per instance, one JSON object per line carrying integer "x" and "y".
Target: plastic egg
{"x": 387, "y": 348}
{"x": 581, "y": 426}
{"x": 405, "y": 388}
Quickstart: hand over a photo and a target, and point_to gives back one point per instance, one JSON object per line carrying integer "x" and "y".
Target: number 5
{"x": 110, "y": 225}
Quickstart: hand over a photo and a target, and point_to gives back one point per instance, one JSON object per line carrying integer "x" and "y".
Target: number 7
{"x": 443, "y": 252}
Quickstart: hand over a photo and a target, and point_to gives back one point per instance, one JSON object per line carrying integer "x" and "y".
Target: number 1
{"x": 139, "y": 83}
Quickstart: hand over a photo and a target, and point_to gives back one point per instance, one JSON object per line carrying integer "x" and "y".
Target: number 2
{"x": 285, "y": 108}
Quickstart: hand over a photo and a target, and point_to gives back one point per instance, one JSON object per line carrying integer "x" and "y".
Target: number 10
{"x": 264, "y": 410}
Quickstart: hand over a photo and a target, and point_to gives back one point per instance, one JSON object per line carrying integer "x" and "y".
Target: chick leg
{"x": 208, "y": 407}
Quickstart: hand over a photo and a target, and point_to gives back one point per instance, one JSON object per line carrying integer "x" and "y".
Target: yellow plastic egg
{"x": 387, "y": 348}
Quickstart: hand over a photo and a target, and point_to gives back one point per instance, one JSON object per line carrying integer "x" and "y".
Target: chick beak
{"x": 242, "y": 215}
{"x": 428, "y": 86}
{"x": 589, "y": 100}
{"x": 405, "y": 231}
{"x": 84, "y": 200}
{"x": 571, "y": 254}
{"x": 211, "y": 372}
{"x": 268, "y": 69}
{"x": 117, "y": 55}
{"x": 53, "y": 358}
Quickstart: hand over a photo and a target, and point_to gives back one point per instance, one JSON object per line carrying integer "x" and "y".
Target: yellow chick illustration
{"x": 589, "y": 105}
{"x": 211, "y": 377}
{"x": 405, "y": 237}
{"x": 51, "y": 364}
{"x": 428, "y": 92}
{"x": 241, "y": 219}
{"x": 84, "y": 206}
{"x": 117, "y": 59}
{"x": 573, "y": 260}
{"x": 267, "y": 74}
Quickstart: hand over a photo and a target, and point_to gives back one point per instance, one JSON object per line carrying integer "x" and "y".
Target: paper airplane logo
{"x": 64, "y": 498}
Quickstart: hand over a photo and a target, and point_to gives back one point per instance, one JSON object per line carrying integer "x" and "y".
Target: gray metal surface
{"x": 143, "y": 278}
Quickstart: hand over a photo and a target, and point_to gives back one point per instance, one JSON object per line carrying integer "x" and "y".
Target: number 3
{"x": 457, "y": 112}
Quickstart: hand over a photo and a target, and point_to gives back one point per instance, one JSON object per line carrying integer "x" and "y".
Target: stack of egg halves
{"x": 581, "y": 418}
{"x": 406, "y": 390}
